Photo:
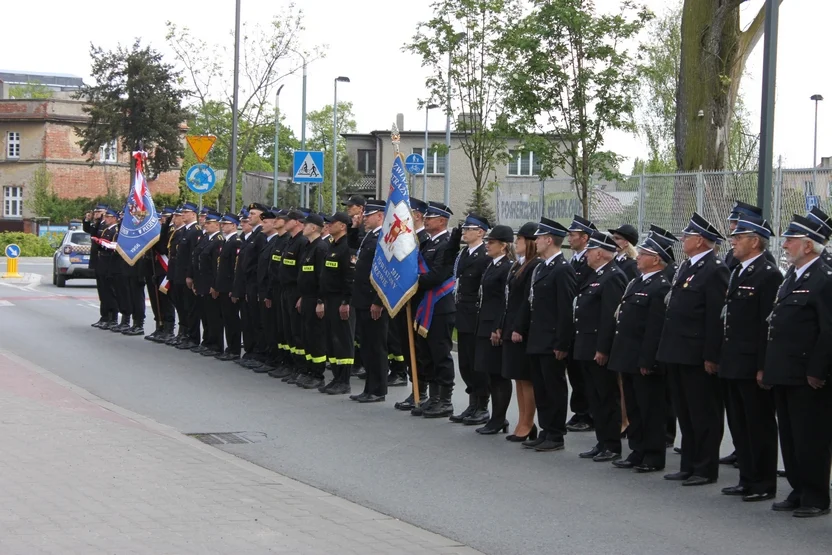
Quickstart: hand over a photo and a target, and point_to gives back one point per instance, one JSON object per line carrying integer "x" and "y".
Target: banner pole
{"x": 414, "y": 374}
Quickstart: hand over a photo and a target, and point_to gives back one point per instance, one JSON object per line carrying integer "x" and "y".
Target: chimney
{"x": 400, "y": 121}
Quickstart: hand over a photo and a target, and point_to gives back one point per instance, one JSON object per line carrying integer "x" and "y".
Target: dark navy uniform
{"x": 267, "y": 305}
{"x": 204, "y": 281}
{"x": 595, "y": 307}
{"x": 108, "y": 268}
{"x": 249, "y": 257}
{"x": 628, "y": 266}
{"x": 173, "y": 290}
{"x": 578, "y": 402}
{"x": 515, "y": 364}
{"x": 732, "y": 262}
{"x": 312, "y": 259}
{"x": 197, "y": 314}
{"x": 94, "y": 228}
{"x": 291, "y": 320}
{"x": 373, "y": 332}
{"x": 224, "y": 284}
{"x": 337, "y": 277}
{"x": 277, "y": 337}
{"x": 187, "y": 241}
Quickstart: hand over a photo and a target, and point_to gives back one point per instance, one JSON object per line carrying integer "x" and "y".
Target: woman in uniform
{"x": 514, "y": 329}
{"x": 492, "y": 306}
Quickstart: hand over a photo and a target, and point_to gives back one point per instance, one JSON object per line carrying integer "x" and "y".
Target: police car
{"x": 72, "y": 259}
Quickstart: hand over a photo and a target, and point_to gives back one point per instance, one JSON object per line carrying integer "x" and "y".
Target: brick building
{"x": 40, "y": 133}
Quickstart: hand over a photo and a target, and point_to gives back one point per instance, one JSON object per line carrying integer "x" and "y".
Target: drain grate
{"x": 226, "y": 438}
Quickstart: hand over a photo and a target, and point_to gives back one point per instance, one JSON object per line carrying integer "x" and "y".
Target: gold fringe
{"x": 126, "y": 257}
{"x": 392, "y": 311}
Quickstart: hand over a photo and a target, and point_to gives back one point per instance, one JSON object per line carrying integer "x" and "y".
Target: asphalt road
{"x": 482, "y": 491}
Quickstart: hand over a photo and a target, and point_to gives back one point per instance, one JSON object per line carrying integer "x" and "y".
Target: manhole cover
{"x": 226, "y": 438}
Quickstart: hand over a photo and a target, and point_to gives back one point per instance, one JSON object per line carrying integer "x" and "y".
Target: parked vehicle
{"x": 72, "y": 259}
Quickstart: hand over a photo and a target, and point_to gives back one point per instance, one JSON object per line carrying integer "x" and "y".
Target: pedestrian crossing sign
{"x": 308, "y": 166}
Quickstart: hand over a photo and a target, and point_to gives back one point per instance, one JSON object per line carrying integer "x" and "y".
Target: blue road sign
{"x": 414, "y": 163}
{"x": 308, "y": 166}
{"x": 200, "y": 178}
{"x": 812, "y": 201}
{"x": 12, "y": 251}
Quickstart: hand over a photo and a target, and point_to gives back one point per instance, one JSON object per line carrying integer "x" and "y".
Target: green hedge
{"x": 30, "y": 245}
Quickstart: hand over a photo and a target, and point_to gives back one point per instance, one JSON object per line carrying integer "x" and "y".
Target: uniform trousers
{"x": 107, "y": 293}
{"x": 134, "y": 288}
{"x": 253, "y": 321}
{"x": 670, "y": 423}
{"x": 604, "y": 404}
{"x": 646, "y": 401}
{"x": 293, "y": 326}
{"x": 160, "y": 302}
{"x": 438, "y": 365}
{"x": 268, "y": 318}
{"x": 178, "y": 291}
{"x": 340, "y": 346}
{"x": 750, "y": 411}
{"x": 374, "y": 350}
{"x": 578, "y": 402}
{"x": 396, "y": 349}
{"x": 193, "y": 314}
{"x": 213, "y": 323}
{"x": 231, "y": 322}
{"x": 122, "y": 295}
{"x": 551, "y": 394}
{"x": 476, "y": 383}
{"x": 805, "y": 418}
{"x": 314, "y": 337}
{"x": 697, "y": 397}
{"x": 402, "y": 328}
{"x": 281, "y": 355}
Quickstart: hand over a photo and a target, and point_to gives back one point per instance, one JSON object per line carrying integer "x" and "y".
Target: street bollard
{"x": 12, "y": 252}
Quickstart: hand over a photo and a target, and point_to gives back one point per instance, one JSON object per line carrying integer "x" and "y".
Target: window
{"x": 12, "y": 202}
{"x": 523, "y": 163}
{"x": 434, "y": 164}
{"x": 809, "y": 188}
{"x": 13, "y": 144}
{"x": 109, "y": 152}
{"x": 367, "y": 162}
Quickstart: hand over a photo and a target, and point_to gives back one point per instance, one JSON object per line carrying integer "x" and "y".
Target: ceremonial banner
{"x": 395, "y": 271}
{"x": 141, "y": 227}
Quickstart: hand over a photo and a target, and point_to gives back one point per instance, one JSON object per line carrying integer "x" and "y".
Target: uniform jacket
{"x": 227, "y": 265}
{"x": 312, "y": 259}
{"x": 434, "y": 254}
{"x": 209, "y": 257}
{"x": 109, "y": 261}
{"x": 582, "y": 269}
{"x": 201, "y": 243}
{"x": 290, "y": 265}
{"x": 363, "y": 292}
{"x": 264, "y": 262}
{"x": 552, "y": 292}
{"x": 748, "y": 303}
{"x": 516, "y": 314}
{"x": 492, "y": 297}
{"x": 629, "y": 267}
{"x": 469, "y": 269}
{"x": 338, "y": 272}
{"x": 244, "y": 249}
{"x": 276, "y": 263}
{"x": 256, "y": 242}
{"x": 94, "y": 229}
{"x": 639, "y": 325}
{"x": 595, "y": 308}
{"x": 732, "y": 262}
{"x": 422, "y": 236}
{"x": 185, "y": 244}
{"x": 692, "y": 331}
{"x": 670, "y": 272}
{"x": 800, "y": 328}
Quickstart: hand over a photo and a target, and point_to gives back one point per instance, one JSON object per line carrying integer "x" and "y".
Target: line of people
{"x": 641, "y": 340}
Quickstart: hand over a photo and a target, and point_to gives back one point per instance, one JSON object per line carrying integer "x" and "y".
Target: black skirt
{"x": 515, "y": 360}
{"x": 488, "y": 358}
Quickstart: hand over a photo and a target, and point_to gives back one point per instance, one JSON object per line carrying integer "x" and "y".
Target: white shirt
{"x": 475, "y": 247}
{"x": 270, "y": 237}
{"x": 247, "y": 235}
{"x": 111, "y": 226}
{"x": 748, "y": 262}
{"x": 521, "y": 260}
{"x": 645, "y": 277}
{"x": 799, "y": 271}
{"x": 190, "y": 225}
{"x": 212, "y": 235}
{"x": 578, "y": 255}
{"x": 230, "y": 235}
{"x": 432, "y": 237}
{"x": 601, "y": 267}
{"x": 551, "y": 258}
{"x": 420, "y": 229}
{"x": 498, "y": 259}
{"x": 376, "y": 229}
{"x": 697, "y": 257}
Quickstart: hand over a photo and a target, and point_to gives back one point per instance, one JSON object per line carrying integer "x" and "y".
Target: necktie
{"x": 734, "y": 275}
{"x": 788, "y": 285}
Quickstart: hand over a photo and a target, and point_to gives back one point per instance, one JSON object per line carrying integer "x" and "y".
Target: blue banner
{"x": 395, "y": 272}
{"x": 140, "y": 227}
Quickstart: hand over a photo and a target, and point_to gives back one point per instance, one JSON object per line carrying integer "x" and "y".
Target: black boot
{"x": 137, "y": 329}
{"x": 165, "y": 334}
{"x": 443, "y": 406}
{"x": 480, "y": 413}
{"x": 109, "y": 324}
{"x": 409, "y": 403}
{"x": 124, "y": 324}
{"x": 101, "y": 322}
{"x": 472, "y": 407}
{"x": 426, "y": 400}
{"x": 155, "y": 333}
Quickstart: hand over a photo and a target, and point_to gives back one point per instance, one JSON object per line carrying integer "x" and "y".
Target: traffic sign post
{"x": 812, "y": 201}
{"x": 12, "y": 254}
{"x": 414, "y": 163}
{"x": 308, "y": 166}
{"x": 201, "y": 145}
{"x": 201, "y": 179}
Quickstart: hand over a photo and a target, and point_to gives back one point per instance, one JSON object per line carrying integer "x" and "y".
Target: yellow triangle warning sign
{"x": 201, "y": 145}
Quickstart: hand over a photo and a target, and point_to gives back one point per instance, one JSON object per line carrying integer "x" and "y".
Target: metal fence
{"x": 666, "y": 200}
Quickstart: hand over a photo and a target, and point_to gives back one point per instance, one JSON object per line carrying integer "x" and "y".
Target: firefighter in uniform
{"x": 336, "y": 284}
{"x": 291, "y": 320}
{"x": 160, "y": 301}
{"x": 187, "y": 240}
{"x": 205, "y": 285}
{"x": 311, "y": 261}
{"x": 108, "y": 262}
{"x": 224, "y": 285}
{"x": 94, "y": 225}
{"x": 255, "y": 346}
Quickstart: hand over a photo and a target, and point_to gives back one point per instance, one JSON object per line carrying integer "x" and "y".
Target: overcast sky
{"x": 364, "y": 39}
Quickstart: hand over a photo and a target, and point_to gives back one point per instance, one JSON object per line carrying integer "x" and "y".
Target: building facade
{"x": 40, "y": 133}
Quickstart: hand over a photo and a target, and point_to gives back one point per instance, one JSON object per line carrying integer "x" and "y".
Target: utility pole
{"x": 764, "y": 174}
{"x": 234, "y": 105}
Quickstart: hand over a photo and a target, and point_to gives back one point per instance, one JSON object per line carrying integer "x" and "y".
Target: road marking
{"x": 6, "y": 303}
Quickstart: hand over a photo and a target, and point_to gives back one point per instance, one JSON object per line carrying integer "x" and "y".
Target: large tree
{"x": 575, "y": 80}
{"x": 136, "y": 97}
{"x": 267, "y": 54}
{"x": 472, "y": 33}
{"x": 714, "y": 51}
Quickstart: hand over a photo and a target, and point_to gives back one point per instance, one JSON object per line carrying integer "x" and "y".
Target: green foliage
{"x": 35, "y": 91}
{"x": 575, "y": 80}
{"x": 137, "y": 99}
{"x": 30, "y": 245}
{"x": 46, "y": 203}
{"x": 473, "y": 34}
{"x": 320, "y": 138}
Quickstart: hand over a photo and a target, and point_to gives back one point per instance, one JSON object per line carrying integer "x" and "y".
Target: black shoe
{"x": 625, "y": 463}
{"x": 669, "y": 444}
{"x": 314, "y": 383}
{"x": 186, "y": 344}
{"x": 292, "y": 378}
{"x": 751, "y": 497}
{"x": 152, "y": 336}
{"x": 339, "y": 389}
{"x": 698, "y": 481}
{"x": 280, "y": 373}
{"x": 137, "y": 329}
{"x": 407, "y": 404}
{"x": 519, "y": 439}
{"x": 549, "y": 445}
{"x": 427, "y": 402}
{"x": 532, "y": 443}
{"x": 677, "y": 476}
{"x": 101, "y": 321}
{"x": 737, "y": 491}
{"x": 395, "y": 380}
{"x": 644, "y": 468}
{"x": 358, "y": 397}
{"x": 302, "y": 379}
{"x": 227, "y": 356}
{"x": 469, "y": 410}
{"x": 809, "y": 512}
{"x": 441, "y": 409}
{"x": 359, "y": 373}
{"x": 785, "y": 505}
{"x": 580, "y": 426}
{"x": 198, "y": 349}
{"x": 325, "y": 387}
{"x": 491, "y": 429}
{"x": 730, "y": 459}
{"x": 264, "y": 369}
{"x": 210, "y": 353}
{"x": 781, "y": 473}
{"x": 606, "y": 456}
{"x": 677, "y": 450}
{"x": 479, "y": 416}
{"x": 370, "y": 398}
{"x": 591, "y": 453}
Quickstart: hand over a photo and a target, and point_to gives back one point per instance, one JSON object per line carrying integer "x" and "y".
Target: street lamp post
{"x": 817, "y": 98}
{"x": 234, "y": 104}
{"x": 304, "y": 190}
{"x": 456, "y": 38}
{"x": 428, "y": 108}
{"x": 335, "y": 143}
{"x": 276, "y": 141}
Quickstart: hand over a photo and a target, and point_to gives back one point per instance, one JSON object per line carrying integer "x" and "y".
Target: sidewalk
{"x": 79, "y": 475}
